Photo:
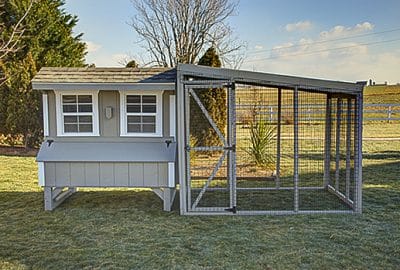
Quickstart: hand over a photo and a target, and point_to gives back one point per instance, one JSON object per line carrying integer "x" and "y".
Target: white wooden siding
{"x": 107, "y": 174}
{"x": 41, "y": 174}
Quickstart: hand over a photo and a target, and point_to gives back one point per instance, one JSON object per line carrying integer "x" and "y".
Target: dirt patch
{"x": 17, "y": 151}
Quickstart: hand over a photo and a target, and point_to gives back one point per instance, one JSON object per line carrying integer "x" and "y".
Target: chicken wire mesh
{"x": 280, "y": 150}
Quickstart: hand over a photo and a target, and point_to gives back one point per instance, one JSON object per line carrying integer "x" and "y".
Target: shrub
{"x": 262, "y": 136}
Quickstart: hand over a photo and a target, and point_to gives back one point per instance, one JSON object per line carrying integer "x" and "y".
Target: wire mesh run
{"x": 270, "y": 150}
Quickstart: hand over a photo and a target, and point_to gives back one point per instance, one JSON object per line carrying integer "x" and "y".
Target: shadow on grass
{"x": 128, "y": 229}
{"x": 88, "y": 200}
{"x": 18, "y": 151}
{"x": 383, "y": 155}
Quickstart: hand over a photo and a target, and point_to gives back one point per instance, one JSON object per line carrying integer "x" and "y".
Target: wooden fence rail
{"x": 316, "y": 112}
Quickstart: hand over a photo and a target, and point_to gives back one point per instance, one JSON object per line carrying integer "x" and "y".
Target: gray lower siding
{"x": 107, "y": 174}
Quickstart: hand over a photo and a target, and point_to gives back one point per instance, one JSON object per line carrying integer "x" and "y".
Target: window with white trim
{"x": 77, "y": 114}
{"x": 141, "y": 114}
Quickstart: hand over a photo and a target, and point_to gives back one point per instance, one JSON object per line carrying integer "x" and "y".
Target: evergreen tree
{"x": 48, "y": 40}
{"x": 22, "y": 101}
{"x": 214, "y": 100}
{"x": 132, "y": 64}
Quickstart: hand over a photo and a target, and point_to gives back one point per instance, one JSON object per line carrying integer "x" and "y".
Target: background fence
{"x": 315, "y": 112}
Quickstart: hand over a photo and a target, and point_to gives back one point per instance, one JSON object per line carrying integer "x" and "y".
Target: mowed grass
{"x": 126, "y": 229}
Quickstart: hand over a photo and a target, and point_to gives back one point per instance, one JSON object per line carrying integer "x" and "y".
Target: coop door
{"x": 210, "y": 147}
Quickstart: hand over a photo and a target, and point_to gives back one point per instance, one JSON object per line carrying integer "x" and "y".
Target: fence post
{"x": 389, "y": 113}
{"x": 270, "y": 114}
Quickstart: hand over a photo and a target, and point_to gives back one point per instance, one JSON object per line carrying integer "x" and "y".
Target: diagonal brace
{"x": 207, "y": 115}
{"x": 214, "y": 172}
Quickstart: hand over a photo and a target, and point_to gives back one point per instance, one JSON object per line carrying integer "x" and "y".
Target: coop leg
{"x": 53, "y": 197}
{"x": 48, "y": 198}
{"x": 167, "y": 195}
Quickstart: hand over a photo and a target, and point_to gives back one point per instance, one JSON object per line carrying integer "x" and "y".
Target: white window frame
{"x": 60, "y": 114}
{"x": 124, "y": 115}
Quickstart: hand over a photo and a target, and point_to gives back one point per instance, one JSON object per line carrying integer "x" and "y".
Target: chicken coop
{"x": 286, "y": 145}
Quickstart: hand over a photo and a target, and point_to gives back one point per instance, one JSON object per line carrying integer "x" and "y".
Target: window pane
{"x": 133, "y": 108}
{"x": 85, "y": 108}
{"x": 133, "y": 127}
{"x": 69, "y": 99}
{"x": 149, "y": 99}
{"x": 70, "y": 128}
{"x": 69, "y": 108}
{"x": 134, "y": 119}
{"x": 85, "y": 119}
{"x": 133, "y": 99}
{"x": 85, "y": 128}
{"x": 84, "y": 99}
{"x": 70, "y": 119}
{"x": 149, "y": 108}
{"x": 149, "y": 128}
{"x": 149, "y": 119}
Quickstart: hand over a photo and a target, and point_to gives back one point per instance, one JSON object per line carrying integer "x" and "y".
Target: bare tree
{"x": 9, "y": 43}
{"x": 179, "y": 31}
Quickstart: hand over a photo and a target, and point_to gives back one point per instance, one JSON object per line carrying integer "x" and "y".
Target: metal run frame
{"x": 185, "y": 88}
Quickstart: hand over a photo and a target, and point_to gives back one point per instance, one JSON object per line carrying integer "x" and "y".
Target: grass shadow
{"x": 128, "y": 229}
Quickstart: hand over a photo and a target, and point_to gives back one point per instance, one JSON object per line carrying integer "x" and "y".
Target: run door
{"x": 210, "y": 147}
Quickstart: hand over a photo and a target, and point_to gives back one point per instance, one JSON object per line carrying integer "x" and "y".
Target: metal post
{"x": 389, "y": 113}
{"x": 327, "y": 152}
{"x": 180, "y": 138}
{"x": 278, "y": 141}
{"x": 232, "y": 107}
{"x": 296, "y": 148}
{"x": 229, "y": 144}
{"x": 338, "y": 124}
{"x": 358, "y": 153}
{"x": 348, "y": 148}
{"x": 187, "y": 148}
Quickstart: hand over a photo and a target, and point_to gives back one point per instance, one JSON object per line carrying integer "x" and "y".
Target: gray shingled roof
{"x": 104, "y": 75}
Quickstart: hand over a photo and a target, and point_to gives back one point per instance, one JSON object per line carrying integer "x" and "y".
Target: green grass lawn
{"x": 119, "y": 229}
